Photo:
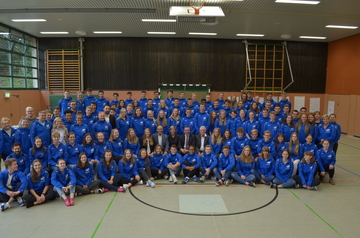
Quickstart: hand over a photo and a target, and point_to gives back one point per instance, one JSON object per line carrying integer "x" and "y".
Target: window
{"x": 18, "y": 60}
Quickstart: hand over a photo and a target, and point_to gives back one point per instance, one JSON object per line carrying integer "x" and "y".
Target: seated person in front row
{"x": 226, "y": 163}
{"x": 191, "y": 165}
{"x": 12, "y": 184}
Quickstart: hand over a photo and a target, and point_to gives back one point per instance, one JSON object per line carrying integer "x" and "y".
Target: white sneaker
{"x": 171, "y": 178}
{"x": 152, "y": 178}
{"x": 125, "y": 186}
{"x": 202, "y": 179}
{"x": 174, "y": 179}
{"x": 166, "y": 177}
{"x": 140, "y": 182}
{"x": 98, "y": 190}
{"x": 21, "y": 202}
{"x": 5, "y": 206}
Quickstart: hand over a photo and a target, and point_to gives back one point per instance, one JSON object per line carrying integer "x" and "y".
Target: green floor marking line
{"x": 107, "y": 209}
{"x": 323, "y": 220}
{"x": 294, "y": 194}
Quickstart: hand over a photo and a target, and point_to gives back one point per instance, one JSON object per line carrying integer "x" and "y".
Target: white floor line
{"x": 217, "y": 231}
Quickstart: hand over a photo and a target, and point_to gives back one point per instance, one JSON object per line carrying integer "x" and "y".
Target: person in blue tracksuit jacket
{"x": 283, "y": 171}
{"x": 326, "y": 131}
{"x": 208, "y": 163}
{"x": 89, "y": 119}
{"x": 202, "y": 119}
{"x": 138, "y": 123}
{"x": 240, "y": 122}
{"x": 288, "y": 127}
{"x": 84, "y": 173}
{"x": 309, "y": 145}
{"x": 132, "y": 142}
{"x": 227, "y": 138}
{"x": 150, "y": 122}
{"x": 173, "y": 120}
{"x": 245, "y": 164}
{"x": 163, "y": 107}
{"x": 115, "y": 145}
{"x": 64, "y": 182}
{"x": 280, "y": 145}
{"x": 296, "y": 150}
{"x": 326, "y": 159}
{"x": 253, "y": 142}
{"x": 284, "y": 101}
{"x": 264, "y": 167}
{"x": 56, "y": 151}
{"x": 215, "y": 141}
{"x": 272, "y": 126}
{"x": 221, "y": 122}
{"x": 101, "y": 146}
{"x": 268, "y": 143}
{"x": 64, "y": 104}
{"x": 38, "y": 151}
{"x": 231, "y": 125}
{"x": 173, "y": 162}
{"x": 21, "y": 159}
{"x": 8, "y": 137}
{"x": 191, "y": 164}
{"x": 337, "y": 128}
{"x": 162, "y": 121}
{"x": 250, "y": 125}
{"x": 123, "y": 124}
{"x": 80, "y": 129}
{"x": 102, "y": 126}
{"x": 143, "y": 166}
{"x": 89, "y": 98}
{"x": 41, "y": 128}
{"x": 22, "y": 135}
{"x": 157, "y": 164}
{"x": 307, "y": 171}
{"x": 238, "y": 143}
{"x": 90, "y": 149}
{"x": 101, "y": 101}
{"x": 128, "y": 169}
{"x": 226, "y": 163}
{"x": 304, "y": 128}
{"x": 12, "y": 190}
{"x": 188, "y": 121}
{"x": 80, "y": 103}
{"x": 107, "y": 173}
{"x": 38, "y": 185}
{"x": 72, "y": 151}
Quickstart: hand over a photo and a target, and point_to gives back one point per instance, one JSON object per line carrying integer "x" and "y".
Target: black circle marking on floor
{"x": 207, "y": 215}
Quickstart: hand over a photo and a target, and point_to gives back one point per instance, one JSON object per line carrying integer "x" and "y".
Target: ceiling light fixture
{"x": 161, "y": 33}
{"x": 342, "y": 27}
{"x": 54, "y": 32}
{"x": 28, "y": 20}
{"x": 4, "y": 33}
{"x": 313, "y": 37}
{"x": 254, "y": 35}
{"x": 159, "y": 20}
{"x": 202, "y": 33}
{"x": 107, "y": 32}
{"x": 298, "y": 2}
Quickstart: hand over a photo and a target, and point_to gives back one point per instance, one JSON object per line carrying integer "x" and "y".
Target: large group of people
{"x": 92, "y": 145}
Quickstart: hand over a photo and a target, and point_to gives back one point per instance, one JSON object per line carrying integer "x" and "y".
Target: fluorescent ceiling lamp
{"x": 342, "y": 27}
{"x": 107, "y": 32}
{"x": 202, "y": 34}
{"x": 54, "y": 32}
{"x": 4, "y": 33}
{"x": 313, "y": 37}
{"x": 159, "y": 20}
{"x": 161, "y": 33}
{"x": 298, "y": 2}
{"x": 255, "y": 35}
{"x": 28, "y": 20}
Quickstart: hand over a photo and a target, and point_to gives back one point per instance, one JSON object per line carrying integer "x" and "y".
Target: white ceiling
{"x": 248, "y": 16}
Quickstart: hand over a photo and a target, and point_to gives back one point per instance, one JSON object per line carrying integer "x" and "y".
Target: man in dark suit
{"x": 161, "y": 139}
{"x": 202, "y": 140}
{"x": 109, "y": 118}
{"x": 186, "y": 140}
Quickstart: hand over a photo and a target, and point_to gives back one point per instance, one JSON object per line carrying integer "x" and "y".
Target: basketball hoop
{"x": 197, "y": 5}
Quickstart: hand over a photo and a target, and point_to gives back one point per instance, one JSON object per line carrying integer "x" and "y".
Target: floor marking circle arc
{"x": 207, "y": 215}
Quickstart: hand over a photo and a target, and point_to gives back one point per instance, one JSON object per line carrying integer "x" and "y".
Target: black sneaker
{"x": 272, "y": 185}
{"x": 297, "y": 186}
{"x": 252, "y": 184}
